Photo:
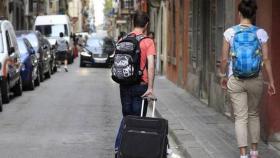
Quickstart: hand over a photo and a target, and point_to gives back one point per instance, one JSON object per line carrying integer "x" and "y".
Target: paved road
{"x": 71, "y": 115}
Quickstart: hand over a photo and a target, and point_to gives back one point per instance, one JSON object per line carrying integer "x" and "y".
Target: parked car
{"x": 29, "y": 69}
{"x": 42, "y": 50}
{"x": 98, "y": 50}
{"x": 52, "y": 52}
{"x": 51, "y": 25}
{"x": 10, "y": 62}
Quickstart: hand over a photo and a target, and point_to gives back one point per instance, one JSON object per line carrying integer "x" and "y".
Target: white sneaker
{"x": 254, "y": 154}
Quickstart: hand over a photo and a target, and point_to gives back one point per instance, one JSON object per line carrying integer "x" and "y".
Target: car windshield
{"x": 52, "y": 30}
{"x": 1, "y": 43}
{"x": 32, "y": 38}
{"x": 95, "y": 45}
{"x": 95, "y": 42}
{"x": 22, "y": 47}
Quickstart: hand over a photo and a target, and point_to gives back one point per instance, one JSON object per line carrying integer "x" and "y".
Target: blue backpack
{"x": 246, "y": 52}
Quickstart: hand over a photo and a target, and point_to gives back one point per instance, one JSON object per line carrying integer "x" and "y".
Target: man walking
{"x": 62, "y": 48}
{"x": 131, "y": 94}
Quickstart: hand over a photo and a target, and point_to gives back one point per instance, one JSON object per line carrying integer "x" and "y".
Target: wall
{"x": 177, "y": 53}
{"x": 268, "y": 17}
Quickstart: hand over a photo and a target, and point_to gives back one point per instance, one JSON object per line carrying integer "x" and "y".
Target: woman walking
{"x": 244, "y": 57}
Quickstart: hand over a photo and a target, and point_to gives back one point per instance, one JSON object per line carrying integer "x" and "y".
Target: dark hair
{"x": 140, "y": 19}
{"x": 61, "y": 34}
{"x": 248, "y": 9}
{"x": 151, "y": 33}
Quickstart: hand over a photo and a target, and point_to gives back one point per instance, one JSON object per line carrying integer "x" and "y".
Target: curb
{"x": 175, "y": 138}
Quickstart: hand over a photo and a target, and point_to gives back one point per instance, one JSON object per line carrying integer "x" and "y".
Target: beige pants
{"x": 245, "y": 96}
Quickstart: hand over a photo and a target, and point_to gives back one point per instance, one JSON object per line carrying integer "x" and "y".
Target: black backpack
{"x": 126, "y": 66}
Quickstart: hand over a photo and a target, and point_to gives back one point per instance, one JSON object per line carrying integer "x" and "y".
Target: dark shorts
{"x": 61, "y": 55}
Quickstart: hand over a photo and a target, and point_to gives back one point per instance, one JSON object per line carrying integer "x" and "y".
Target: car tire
{"x": 55, "y": 69}
{"x": 52, "y": 67}
{"x": 5, "y": 90}
{"x": 49, "y": 73}
{"x": 1, "y": 104}
{"x": 37, "y": 80}
{"x": 82, "y": 64}
{"x": 18, "y": 88}
{"x": 31, "y": 84}
{"x": 42, "y": 76}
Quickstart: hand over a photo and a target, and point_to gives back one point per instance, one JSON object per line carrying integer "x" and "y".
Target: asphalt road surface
{"x": 71, "y": 115}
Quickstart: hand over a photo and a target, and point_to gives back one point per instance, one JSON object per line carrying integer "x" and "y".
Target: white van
{"x": 10, "y": 64}
{"x": 51, "y": 25}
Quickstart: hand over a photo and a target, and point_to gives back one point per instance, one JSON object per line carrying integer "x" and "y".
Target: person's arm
{"x": 224, "y": 64}
{"x": 151, "y": 75}
{"x": 268, "y": 68}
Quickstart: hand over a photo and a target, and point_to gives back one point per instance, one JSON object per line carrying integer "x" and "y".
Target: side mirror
{"x": 11, "y": 50}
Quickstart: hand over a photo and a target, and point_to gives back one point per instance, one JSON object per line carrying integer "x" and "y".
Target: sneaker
{"x": 66, "y": 70}
{"x": 254, "y": 154}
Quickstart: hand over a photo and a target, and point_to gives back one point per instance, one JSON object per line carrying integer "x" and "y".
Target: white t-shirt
{"x": 229, "y": 34}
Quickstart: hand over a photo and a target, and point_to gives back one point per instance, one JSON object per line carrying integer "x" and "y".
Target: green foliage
{"x": 107, "y": 6}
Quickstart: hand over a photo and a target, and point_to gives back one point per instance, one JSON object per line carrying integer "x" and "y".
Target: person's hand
{"x": 271, "y": 89}
{"x": 148, "y": 93}
{"x": 223, "y": 83}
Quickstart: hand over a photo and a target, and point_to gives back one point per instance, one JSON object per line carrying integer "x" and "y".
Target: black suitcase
{"x": 144, "y": 137}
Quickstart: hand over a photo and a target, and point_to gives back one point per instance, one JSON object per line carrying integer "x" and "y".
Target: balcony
{"x": 127, "y": 7}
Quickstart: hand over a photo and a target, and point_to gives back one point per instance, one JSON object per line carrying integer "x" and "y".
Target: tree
{"x": 108, "y": 7}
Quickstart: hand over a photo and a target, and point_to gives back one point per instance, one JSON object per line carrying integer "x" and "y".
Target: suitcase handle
{"x": 149, "y": 98}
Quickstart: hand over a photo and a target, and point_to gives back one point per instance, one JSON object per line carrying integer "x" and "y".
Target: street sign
{"x": 121, "y": 21}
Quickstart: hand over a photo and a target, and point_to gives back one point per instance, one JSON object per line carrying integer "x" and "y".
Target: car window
{"x": 52, "y": 30}
{"x": 8, "y": 40}
{"x": 32, "y": 38}
{"x": 22, "y": 47}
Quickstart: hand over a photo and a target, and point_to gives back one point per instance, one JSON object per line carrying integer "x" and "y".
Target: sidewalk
{"x": 199, "y": 130}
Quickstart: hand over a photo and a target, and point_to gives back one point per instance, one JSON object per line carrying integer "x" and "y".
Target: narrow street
{"x": 71, "y": 115}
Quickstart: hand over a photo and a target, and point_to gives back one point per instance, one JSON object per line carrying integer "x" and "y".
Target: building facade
{"x": 75, "y": 13}
{"x": 195, "y": 35}
{"x": 189, "y": 36}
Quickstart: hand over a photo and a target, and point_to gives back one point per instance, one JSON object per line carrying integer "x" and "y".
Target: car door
{"x": 33, "y": 58}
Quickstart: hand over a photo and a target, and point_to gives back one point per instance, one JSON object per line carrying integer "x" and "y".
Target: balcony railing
{"x": 127, "y": 7}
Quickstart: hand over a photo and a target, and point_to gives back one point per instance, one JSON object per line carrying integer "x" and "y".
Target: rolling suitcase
{"x": 144, "y": 137}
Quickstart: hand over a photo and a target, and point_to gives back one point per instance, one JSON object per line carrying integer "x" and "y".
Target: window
{"x": 127, "y": 4}
{"x": 52, "y": 30}
{"x": 22, "y": 47}
{"x": 8, "y": 40}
